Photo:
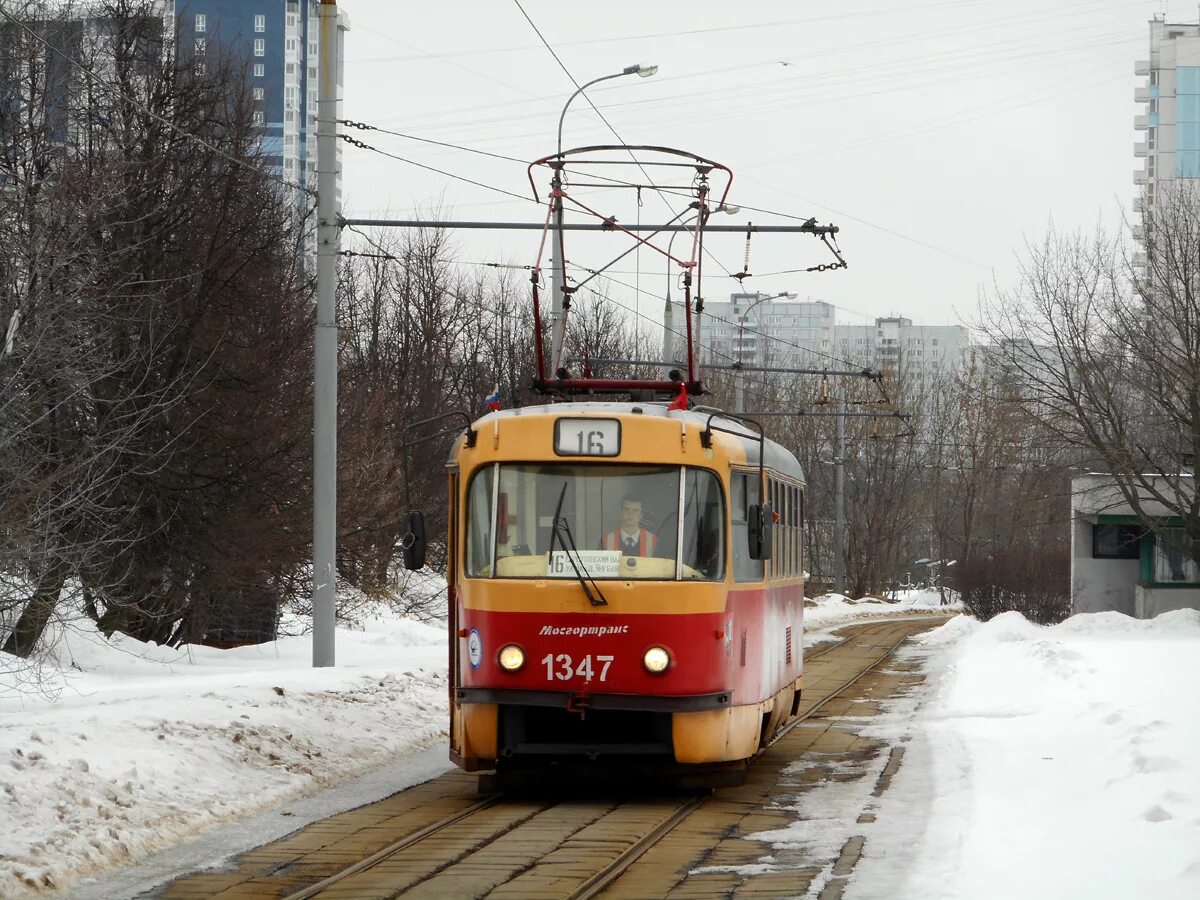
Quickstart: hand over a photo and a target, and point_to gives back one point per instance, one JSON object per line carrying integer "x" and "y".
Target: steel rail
{"x": 611, "y": 872}
{"x": 616, "y": 867}
{"x": 416, "y": 837}
{"x": 834, "y": 693}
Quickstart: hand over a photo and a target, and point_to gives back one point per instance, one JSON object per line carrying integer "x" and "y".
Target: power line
{"x": 355, "y": 142}
{"x": 716, "y": 318}
{"x": 957, "y": 4}
{"x": 116, "y": 90}
{"x": 506, "y": 158}
{"x": 595, "y": 108}
{"x": 760, "y": 88}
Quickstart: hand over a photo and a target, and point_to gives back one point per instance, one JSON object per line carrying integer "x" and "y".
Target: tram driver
{"x": 630, "y": 537}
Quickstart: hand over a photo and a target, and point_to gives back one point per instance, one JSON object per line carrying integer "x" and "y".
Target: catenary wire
{"x": 907, "y": 40}
{"x": 383, "y": 253}
{"x": 681, "y": 33}
{"x": 362, "y": 145}
{"x": 759, "y": 209}
{"x": 760, "y": 87}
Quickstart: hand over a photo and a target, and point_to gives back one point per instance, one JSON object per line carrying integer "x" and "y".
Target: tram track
{"x": 498, "y": 846}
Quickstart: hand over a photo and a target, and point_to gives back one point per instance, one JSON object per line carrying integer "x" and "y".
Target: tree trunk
{"x": 37, "y": 612}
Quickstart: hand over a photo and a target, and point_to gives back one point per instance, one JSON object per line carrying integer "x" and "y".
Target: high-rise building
{"x": 765, "y": 329}
{"x": 895, "y": 342}
{"x": 278, "y": 41}
{"x": 1171, "y": 121}
{"x": 779, "y": 330}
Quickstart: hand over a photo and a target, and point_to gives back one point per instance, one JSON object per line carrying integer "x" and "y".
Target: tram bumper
{"x": 492, "y": 725}
{"x": 716, "y": 735}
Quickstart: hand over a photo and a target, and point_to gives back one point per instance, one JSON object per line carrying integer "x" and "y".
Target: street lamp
{"x": 557, "y": 273}
{"x": 669, "y": 307}
{"x": 738, "y": 390}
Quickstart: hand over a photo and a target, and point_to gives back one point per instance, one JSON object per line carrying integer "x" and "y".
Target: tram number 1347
{"x": 563, "y": 667}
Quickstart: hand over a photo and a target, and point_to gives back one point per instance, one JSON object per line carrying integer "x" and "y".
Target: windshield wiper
{"x": 558, "y": 529}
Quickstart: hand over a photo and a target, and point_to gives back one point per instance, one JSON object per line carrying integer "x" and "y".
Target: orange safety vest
{"x": 614, "y": 540}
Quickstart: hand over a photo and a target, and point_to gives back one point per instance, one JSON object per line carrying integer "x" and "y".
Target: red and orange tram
{"x": 626, "y": 587}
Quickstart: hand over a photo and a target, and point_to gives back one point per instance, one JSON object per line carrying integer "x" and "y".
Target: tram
{"x": 625, "y": 577}
{"x": 626, "y": 588}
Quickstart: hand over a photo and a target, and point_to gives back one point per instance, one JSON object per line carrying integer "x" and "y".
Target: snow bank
{"x": 835, "y": 610}
{"x": 1046, "y": 761}
{"x": 129, "y": 747}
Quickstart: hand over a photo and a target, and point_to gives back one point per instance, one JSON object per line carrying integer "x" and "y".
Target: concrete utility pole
{"x": 325, "y": 346}
{"x": 839, "y": 497}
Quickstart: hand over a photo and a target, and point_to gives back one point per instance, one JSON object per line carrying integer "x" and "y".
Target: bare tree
{"x": 1106, "y": 350}
{"x": 153, "y": 421}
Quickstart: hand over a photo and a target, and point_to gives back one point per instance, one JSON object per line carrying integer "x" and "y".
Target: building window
{"x": 258, "y": 117}
{"x": 260, "y": 24}
{"x": 201, "y": 22}
{"x": 1172, "y": 564}
{"x": 259, "y": 70}
{"x": 258, "y": 93}
{"x": 201, "y": 46}
{"x": 260, "y": 47}
{"x": 1116, "y": 541}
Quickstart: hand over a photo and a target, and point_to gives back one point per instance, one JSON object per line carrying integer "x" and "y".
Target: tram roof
{"x": 778, "y": 457}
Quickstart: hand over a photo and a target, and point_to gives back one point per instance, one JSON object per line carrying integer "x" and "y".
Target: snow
{"x": 1039, "y": 761}
{"x": 832, "y": 611}
{"x": 125, "y": 748}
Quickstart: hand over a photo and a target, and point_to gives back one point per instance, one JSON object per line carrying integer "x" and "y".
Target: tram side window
{"x": 703, "y": 527}
{"x": 743, "y": 492}
{"x": 779, "y": 557}
{"x": 479, "y": 524}
{"x": 798, "y": 513}
{"x": 785, "y": 523}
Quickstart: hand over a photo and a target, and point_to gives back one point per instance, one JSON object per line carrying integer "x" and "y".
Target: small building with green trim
{"x": 1118, "y": 563}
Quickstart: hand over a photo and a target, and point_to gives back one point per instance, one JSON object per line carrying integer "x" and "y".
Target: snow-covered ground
{"x": 1057, "y": 762}
{"x": 1039, "y": 762}
{"x": 112, "y": 750}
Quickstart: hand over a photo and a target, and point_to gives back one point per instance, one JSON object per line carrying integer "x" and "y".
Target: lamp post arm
{"x": 563, "y": 115}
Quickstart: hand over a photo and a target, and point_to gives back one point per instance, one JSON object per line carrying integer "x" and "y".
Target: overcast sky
{"x": 938, "y": 135}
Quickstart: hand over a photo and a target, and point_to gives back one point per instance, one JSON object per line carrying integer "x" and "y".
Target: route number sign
{"x": 587, "y": 437}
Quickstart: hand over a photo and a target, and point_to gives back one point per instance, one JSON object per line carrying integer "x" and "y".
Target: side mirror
{"x": 413, "y": 542}
{"x": 759, "y": 531}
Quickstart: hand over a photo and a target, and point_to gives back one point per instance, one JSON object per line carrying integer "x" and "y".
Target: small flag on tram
{"x": 679, "y": 402}
{"x": 492, "y": 400}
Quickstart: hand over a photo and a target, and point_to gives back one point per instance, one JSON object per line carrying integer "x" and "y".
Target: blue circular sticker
{"x": 474, "y": 648}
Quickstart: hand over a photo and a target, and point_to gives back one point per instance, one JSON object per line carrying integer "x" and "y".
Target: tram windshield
{"x": 595, "y": 521}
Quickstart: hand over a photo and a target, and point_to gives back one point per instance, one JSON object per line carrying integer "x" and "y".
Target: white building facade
{"x": 895, "y": 342}
{"x": 762, "y": 329}
{"x": 1120, "y": 565}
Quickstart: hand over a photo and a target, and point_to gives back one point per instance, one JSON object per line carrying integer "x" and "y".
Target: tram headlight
{"x": 511, "y": 658}
{"x": 656, "y": 660}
